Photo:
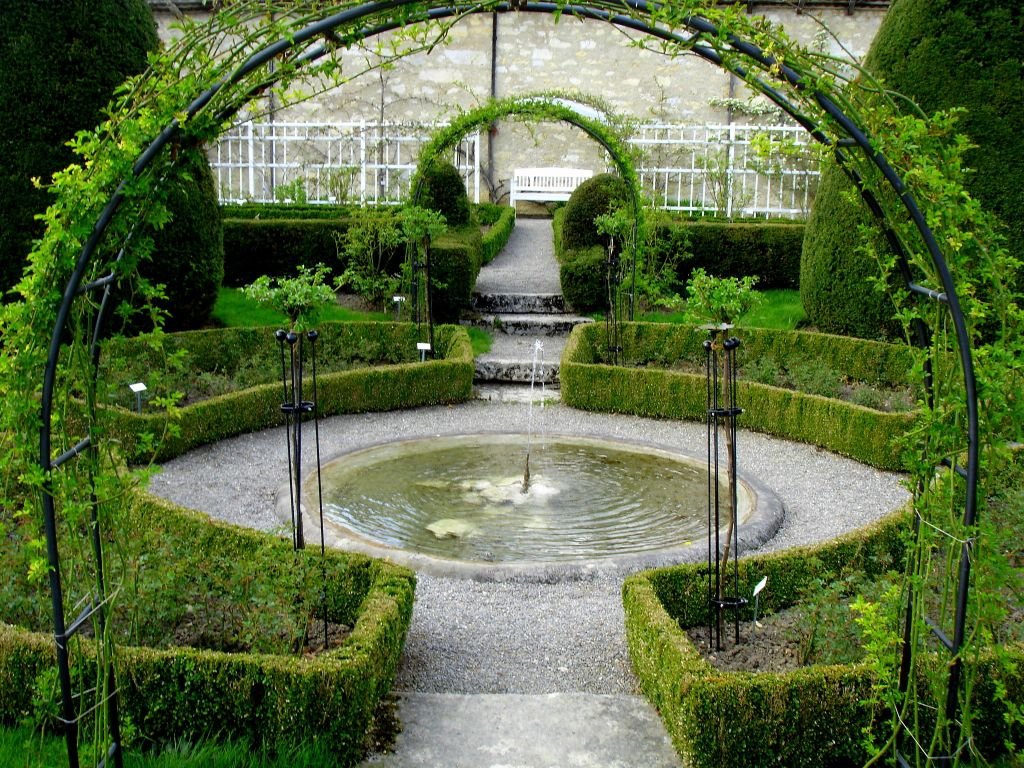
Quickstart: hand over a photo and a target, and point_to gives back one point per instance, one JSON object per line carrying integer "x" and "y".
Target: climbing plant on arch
{"x": 603, "y": 127}
{"x": 948, "y": 257}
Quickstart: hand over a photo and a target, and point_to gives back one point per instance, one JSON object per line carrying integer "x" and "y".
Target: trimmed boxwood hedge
{"x": 455, "y": 261}
{"x": 499, "y": 231}
{"x": 811, "y": 716}
{"x": 276, "y": 246}
{"x": 172, "y": 693}
{"x": 768, "y": 249}
{"x": 254, "y": 247}
{"x": 446, "y": 379}
{"x": 851, "y": 430}
{"x": 582, "y": 272}
{"x": 284, "y": 211}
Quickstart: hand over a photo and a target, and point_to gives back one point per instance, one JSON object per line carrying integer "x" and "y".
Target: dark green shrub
{"x": 942, "y": 54}
{"x": 59, "y": 64}
{"x": 487, "y": 214}
{"x": 834, "y": 278}
{"x": 455, "y": 260}
{"x": 444, "y": 191}
{"x": 254, "y": 247}
{"x": 594, "y": 197}
{"x": 583, "y": 275}
{"x": 188, "y": 253}
{"x": 769, "y": 250}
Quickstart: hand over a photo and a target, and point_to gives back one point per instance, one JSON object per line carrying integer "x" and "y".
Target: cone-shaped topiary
{"x": 594, "y": 197}
{"x": 188, "y": 253}
{"x": 444, "y": 191}
{"x": 59, "y": 64}
{"x": 942, "y": 54}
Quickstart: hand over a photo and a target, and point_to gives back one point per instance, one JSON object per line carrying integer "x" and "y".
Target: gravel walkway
{"x": 524, "y": 636}
{"x": 526, "y": 263}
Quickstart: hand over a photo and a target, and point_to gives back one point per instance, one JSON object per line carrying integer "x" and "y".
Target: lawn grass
{"x": 780, "y": 309}
{"x": 480, "y": 339}
{"x": 24, "y": 748}
{"x": 236, "y": 310}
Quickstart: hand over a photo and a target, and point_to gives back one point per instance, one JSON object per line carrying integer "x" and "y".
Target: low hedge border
{"x": 813, "y": 716}
{"x": 851, "y": 430}
{"x": 275, "y": 700}
{"x": 496, "y": 237}
{"x": 448, "y": 379}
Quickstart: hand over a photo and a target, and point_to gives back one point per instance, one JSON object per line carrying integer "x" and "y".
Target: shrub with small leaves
{"x": 719, "y": 299}
{"x": 300, "y": 297}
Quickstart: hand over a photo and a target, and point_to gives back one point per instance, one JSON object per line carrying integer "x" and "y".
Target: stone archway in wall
{"x": 96, "y": 213}
{"x": 598, "y": 125}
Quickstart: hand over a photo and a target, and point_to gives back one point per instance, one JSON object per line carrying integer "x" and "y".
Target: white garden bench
{"x": 545, "y": 185}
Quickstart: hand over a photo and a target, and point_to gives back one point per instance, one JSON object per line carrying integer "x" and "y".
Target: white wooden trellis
{"x": 715, "y": 169}
{"x": 356, "y": 161}
{"x": 694, "y": 169}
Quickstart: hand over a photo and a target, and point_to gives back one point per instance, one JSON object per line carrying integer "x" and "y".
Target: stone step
{"x": 518, "y": 303}
{"x": 489, "y": 369}
{"x": 530, "y": 324}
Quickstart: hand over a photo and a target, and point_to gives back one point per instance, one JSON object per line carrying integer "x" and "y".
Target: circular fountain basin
{"x": 452, "y": 502}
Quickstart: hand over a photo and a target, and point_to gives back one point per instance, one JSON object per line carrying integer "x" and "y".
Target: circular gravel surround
{"x": 804, "y": 495}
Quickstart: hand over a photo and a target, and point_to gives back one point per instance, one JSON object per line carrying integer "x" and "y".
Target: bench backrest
{"x": 545, "y": 184}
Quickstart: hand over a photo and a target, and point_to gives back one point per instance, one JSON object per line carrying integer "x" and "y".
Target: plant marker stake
{"x": 423, "y": 347}
{"x": 138, "y": 388}
{"x": 757, "y": 598}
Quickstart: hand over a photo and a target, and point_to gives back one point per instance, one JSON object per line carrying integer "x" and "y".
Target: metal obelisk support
{"x": 294, "y": 407}
{"x": 722, "y": 412}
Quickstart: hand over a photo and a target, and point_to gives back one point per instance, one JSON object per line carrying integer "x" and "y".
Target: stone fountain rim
{"x": 763, "y": 522}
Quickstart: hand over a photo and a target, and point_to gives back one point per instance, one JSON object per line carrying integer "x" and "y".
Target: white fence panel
{"x": 328, "y": 162}
{"x": 727, "y": 170}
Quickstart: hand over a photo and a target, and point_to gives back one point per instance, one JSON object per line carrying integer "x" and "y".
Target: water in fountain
{"x": 455, "y": 497}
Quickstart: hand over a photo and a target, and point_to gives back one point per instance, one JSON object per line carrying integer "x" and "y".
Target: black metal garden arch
{"x": 559, "y": 108}
{"x": 686, "y": 31}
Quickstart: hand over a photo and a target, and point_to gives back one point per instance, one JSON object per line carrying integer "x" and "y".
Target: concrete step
{"x": 518, "y": 303}
{"x": 494, "y": 370}
{"x": 498, "y": 392}
{"x": 530, "y": 324}
{"x": 537, "y": 731}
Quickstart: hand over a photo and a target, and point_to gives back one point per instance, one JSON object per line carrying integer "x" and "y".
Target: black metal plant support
{"x": 294, "y": 407}
{"x": 613, "y": 317}
{"x": 722, "y": 412}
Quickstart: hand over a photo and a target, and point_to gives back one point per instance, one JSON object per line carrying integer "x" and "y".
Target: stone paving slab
{"x": 518, "y": 731}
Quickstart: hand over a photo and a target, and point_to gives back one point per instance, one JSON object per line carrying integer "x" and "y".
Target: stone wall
{"x": 508, "y": 54}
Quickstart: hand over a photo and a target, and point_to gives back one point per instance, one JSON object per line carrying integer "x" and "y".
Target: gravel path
{"x": 525, "y": 265}
{"x": 524, "y": 636}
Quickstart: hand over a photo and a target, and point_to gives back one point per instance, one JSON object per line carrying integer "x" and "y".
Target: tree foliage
{"x": 59, "y": 64}
{"x": 941, "y": 55}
